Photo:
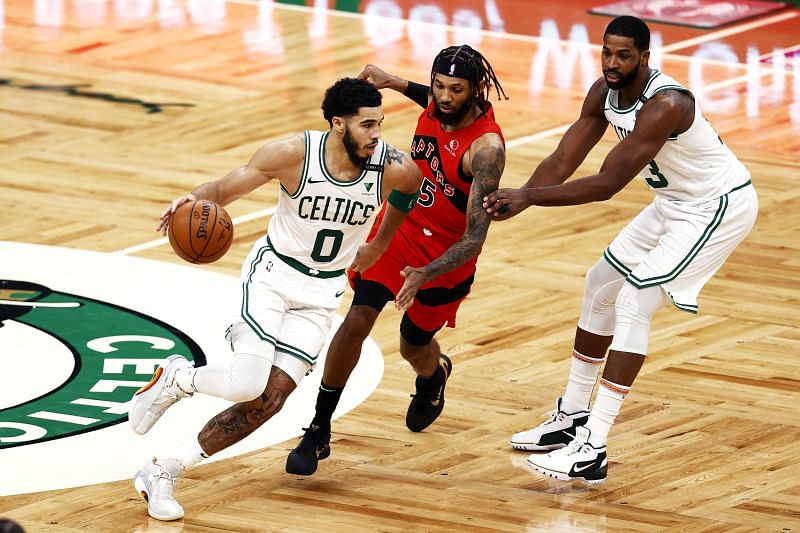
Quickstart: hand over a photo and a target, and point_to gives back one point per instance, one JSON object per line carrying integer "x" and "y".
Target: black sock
{"x": 327, "y": 400}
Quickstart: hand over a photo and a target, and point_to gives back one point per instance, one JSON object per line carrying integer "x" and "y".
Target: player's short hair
{"x": 628, "y": 26}
{"x": 463, "y": 61}
{"x": 343, "y": 98}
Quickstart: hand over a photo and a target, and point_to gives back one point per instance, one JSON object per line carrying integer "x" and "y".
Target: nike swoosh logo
{"x": 577, "y": 469}
{"x": 339, "y": 293}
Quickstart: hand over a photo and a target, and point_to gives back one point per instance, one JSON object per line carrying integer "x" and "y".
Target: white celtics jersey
{"x": 694, "y": 166}
{"x": 324, "y": 222}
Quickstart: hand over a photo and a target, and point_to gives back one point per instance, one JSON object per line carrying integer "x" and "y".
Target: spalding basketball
{"x": 200, "y": 231}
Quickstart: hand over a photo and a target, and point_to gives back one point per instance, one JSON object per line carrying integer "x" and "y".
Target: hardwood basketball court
{"x": 109, "y": 110}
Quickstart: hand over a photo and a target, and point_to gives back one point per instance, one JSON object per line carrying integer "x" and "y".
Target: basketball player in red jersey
{"x": 430, "y": 264}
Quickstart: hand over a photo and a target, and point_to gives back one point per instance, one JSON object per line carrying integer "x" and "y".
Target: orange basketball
{"x": 200, "y": 231}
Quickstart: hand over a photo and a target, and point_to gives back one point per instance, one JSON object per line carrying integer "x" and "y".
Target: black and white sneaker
{"x": 314, "y": 446}
{"x": 578, "y": 460}
{"x": 554, "y": 433}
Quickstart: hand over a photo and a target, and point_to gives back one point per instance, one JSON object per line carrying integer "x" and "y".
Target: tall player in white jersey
{"x": 704, "y": 206}
{"x": 331, "y": 184}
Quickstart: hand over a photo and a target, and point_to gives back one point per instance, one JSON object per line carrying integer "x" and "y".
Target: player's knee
{"x": 244, "y": 391}
{"x": 601, "y": 285}
{"x": 262, "y": 409}
{"x": 246, "y": 386}
{"x": 638, "y": 304}
{"x": 626, "y": 308}
{"x": 358, "y": 323}
{"x": 273, "y": 401}
{"x": 634, "y": 311}
{"x": 269, "y": 402}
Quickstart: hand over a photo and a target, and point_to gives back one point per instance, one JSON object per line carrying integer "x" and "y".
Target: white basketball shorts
{"x": 287, "y": 307}
{"x": 680, "y": 247}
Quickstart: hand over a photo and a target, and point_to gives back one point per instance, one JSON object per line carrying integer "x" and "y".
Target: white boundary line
{"x": 740, "y": 28}
{"x": 763, "y": 71}
{"x": 164, "y": 240}
{"x": 519, "y": 141}
{"x": 794, "y": 48}
{"x": 771, "y": 55}
{"x": 141, "y": 247}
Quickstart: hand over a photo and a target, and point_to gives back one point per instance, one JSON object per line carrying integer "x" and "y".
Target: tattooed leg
{"x": 238, "y": 421}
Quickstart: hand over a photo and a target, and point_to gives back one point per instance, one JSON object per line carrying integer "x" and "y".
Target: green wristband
{"x": 402, "y": 201}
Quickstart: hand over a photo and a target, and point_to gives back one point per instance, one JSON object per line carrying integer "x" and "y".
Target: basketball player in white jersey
{"x": 704, "y": 206}
{"x": 331, "y": 184}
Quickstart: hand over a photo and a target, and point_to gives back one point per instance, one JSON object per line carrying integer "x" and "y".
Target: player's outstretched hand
{"x": 503, "y": 204}
{"x": 163, "y": 222}
{"x": 415, "y": 277}
{"x": 366, "y": 256}
{"x": 375, "y": 76}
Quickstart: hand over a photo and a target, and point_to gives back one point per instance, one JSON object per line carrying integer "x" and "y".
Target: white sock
{"x": 605, "y": 410}
{"x": 188, "y": 455}
{"x": 582, "y": 379}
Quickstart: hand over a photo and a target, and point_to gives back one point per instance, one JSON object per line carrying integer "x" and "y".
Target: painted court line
{"x": 533, "y": 137}
{"x": 739, "y": 28}
{"x": 164, "y": 240}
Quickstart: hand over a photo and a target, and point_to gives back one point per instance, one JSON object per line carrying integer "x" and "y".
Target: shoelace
{"x": 577, "y": 446}
{"x": 171, "y": 395}
{"x": 555, "y": 416}
{"x": 312, "y": 440}
{"x": 164, "y": 489}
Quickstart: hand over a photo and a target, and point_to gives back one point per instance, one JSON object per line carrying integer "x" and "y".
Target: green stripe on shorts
{"x": 658, "y": 280}
{"x": 295, "y": 352}
{"x": 252, "y": 322}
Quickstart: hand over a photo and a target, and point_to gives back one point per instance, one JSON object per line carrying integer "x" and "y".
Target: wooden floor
{"x": 709, "y": 438}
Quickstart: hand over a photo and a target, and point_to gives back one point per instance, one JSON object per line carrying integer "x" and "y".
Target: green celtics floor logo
{"x": 112, "y": 347}
{"x": 81, "y": 331}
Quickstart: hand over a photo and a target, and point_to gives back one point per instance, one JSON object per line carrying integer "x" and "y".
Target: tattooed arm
{"x": 401, "y": 181}
{"x": 485, "y": 162}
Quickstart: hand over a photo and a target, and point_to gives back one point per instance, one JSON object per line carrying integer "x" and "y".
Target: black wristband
{"x": 417, "y": 93}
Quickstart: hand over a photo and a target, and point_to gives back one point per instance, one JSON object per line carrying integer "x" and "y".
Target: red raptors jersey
{"x": 439, "y": 218}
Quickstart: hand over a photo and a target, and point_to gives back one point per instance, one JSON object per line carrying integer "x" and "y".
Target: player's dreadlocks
{"x": 465, "y": 62}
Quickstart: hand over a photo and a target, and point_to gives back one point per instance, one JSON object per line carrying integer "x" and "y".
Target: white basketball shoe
{"x": 578, "y": 460}
{"x": 554, "y": 433}
{"x": 155, "y": 484}
{"x": 152, "y": 400}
